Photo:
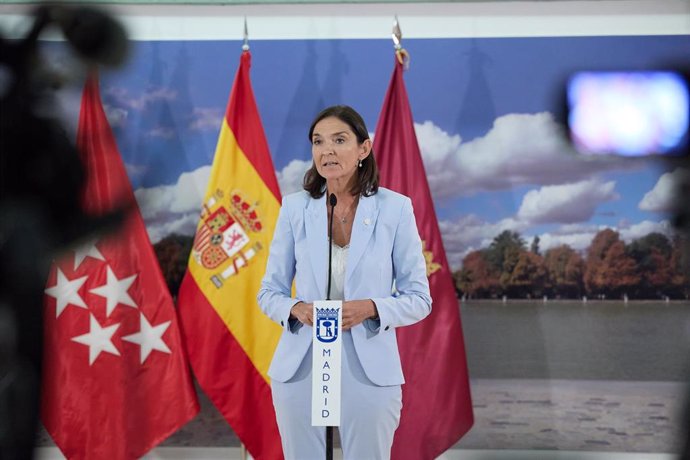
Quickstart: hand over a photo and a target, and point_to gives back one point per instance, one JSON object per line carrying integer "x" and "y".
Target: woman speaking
{"x": 378, "y": 271}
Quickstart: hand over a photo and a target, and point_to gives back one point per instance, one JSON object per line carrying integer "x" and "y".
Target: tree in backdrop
{"x": 594, "y": 264}
{"x": 618, "y": 273}
{"x": 565, "y": 269}
{"x": 680, "y": 263}
{"x": 528, "y": 277}
{"x": 652, "y": 253}
{"x": 172, "y": 253}
{"x": 534, "y": 247}
{"x": 503, "y": 255}
{"x": 476, "y": 278}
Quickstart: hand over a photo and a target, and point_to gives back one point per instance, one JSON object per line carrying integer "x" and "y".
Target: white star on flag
{"x": 66, "y": 292}
{"x": 115, "y": 291}
{"x": 149, "y": 338}
{"x": 98, "y": 339}
{"x": 85, "y": 250}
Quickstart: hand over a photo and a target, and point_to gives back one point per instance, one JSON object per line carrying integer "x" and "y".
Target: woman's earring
{"x": 360, "y": 163}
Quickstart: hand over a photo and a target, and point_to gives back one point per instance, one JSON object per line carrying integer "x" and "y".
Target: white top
{"x": 338, "y": 266}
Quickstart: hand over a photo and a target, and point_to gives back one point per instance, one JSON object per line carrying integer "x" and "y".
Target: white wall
{"x": 428, "y": 20}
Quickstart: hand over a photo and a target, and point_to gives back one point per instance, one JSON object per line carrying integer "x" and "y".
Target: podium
{"x": 326, "y": 363}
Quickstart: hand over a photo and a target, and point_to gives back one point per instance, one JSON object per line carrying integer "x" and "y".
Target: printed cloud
{"x": 151, "y": 95}
{"x": 520, "y": 149}
{"x": 470, "y": 233}
{"x": 291, "y": 176}
{"x": 662, "y": 197}
{"x": 569, "y": 203}
{"x": 173, "y": 208}
{"x": 206, "y": 119}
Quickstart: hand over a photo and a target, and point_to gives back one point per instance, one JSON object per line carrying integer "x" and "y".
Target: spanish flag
{"x": 229, "y": 341}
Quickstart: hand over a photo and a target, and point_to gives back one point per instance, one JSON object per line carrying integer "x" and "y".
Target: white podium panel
{"x": 326, "y": 349}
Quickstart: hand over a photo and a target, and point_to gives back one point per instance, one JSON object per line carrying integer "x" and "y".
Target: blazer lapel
{"x": 316, "y": 226}
{"x": 362, "y": 229}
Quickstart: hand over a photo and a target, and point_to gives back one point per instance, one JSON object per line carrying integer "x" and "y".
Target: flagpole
{"x": 245, "y": 47}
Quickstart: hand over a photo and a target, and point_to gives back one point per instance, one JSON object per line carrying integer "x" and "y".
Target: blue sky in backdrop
{"x": 485, "y": 118}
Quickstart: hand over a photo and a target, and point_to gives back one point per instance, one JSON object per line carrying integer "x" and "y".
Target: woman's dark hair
{"x": 367, "y": 182}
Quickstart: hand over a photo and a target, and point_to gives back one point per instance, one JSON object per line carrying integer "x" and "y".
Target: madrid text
{"x": 325, "y": 378}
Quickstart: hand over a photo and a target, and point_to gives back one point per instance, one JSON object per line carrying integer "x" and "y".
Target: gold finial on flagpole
{"x": 400, "y": 53}
{"x": 245, "y": 45}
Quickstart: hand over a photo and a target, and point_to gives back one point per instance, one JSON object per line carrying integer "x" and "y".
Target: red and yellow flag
{"x": 437, "y": 409}
{"x": 229, "y": 340}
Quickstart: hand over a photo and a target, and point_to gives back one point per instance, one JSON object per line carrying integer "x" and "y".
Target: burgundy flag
{"x": 437, "y": 408}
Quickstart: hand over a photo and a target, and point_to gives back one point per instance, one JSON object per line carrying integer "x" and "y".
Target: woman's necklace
{"x": 343, "y": 218}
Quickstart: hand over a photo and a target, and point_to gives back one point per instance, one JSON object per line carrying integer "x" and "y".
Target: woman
{"x": 375, "y": 244}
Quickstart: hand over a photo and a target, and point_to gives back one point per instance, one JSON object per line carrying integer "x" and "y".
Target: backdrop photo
{"x": 495, "y": 159}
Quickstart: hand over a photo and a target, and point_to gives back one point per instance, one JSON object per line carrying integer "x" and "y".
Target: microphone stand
{"x": 332, "y": 200}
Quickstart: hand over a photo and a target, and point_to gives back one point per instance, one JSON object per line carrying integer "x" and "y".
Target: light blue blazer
{"x": 384, "y": 248}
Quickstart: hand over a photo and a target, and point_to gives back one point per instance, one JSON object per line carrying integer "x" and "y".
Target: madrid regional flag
{"x": 437, "y": 408}
{"x": 116, "y": 381}
{"x": 230, "y": 342}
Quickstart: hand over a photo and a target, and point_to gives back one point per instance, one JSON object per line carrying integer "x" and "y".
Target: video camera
{"x": 41, "y": 181}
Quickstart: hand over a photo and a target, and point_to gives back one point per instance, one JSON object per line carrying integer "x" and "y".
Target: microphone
{"x": 332, "y": 200}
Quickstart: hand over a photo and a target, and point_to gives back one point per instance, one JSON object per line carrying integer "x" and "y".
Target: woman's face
{"x": 335, "y": 150}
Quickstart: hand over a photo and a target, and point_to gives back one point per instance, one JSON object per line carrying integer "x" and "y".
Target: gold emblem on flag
{"x": 431, "y": 266}
{"x": 223, "y": 240}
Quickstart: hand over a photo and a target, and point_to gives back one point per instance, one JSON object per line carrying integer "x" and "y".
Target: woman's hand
{"x": 303, "y": 312}
{"x": 356, "y": 311}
